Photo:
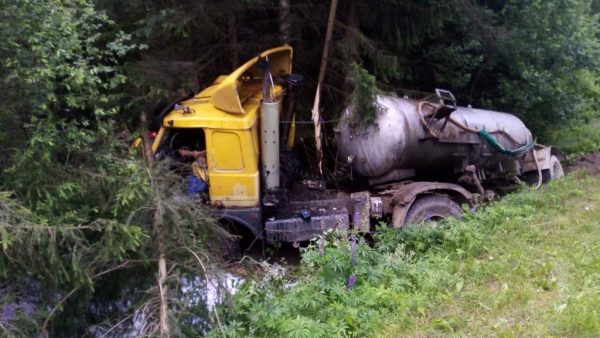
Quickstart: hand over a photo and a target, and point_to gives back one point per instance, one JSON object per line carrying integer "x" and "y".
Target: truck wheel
{"x": 431, "y": 209}
{"x": 556, "y": 170}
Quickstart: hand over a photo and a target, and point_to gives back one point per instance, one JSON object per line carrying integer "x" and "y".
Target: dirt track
{"x": 589, "y": 163}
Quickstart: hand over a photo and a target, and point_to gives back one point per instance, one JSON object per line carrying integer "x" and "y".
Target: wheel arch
{"x": 406, "y": 195}
{"x": 559, "y": 154}
{"x": 543, "y": 154}
{"x": 247, "y": 219}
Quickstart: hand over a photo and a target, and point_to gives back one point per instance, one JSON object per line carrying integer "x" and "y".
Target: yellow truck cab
{"x": 226, "y": 115}
{"x": 224, "y": 120}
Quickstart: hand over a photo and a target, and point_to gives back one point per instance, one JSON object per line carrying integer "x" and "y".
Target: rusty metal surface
{"x": 305, "y": 211}
{"x": 405, "y": 195}
{"x": 398, "y": 140}
{"x": 361, "y": 211}
{"x": 249, "y": 218}
{"x": 293, "y": 228}
{"x": 543, "y": 155}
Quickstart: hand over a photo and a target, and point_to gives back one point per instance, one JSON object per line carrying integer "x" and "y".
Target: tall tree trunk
{"x": 233, "y": 41}
{"x": 284, "y": 21}
{"x": 158, "y": 231}
{"x": 162, "y": 268}
{"x": 350, "y": 40}
{"x": 316, "y": 115}
{"x": 328, "y": 35}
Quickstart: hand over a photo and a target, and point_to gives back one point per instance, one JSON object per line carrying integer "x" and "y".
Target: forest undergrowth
{"x": 525, "y": 265}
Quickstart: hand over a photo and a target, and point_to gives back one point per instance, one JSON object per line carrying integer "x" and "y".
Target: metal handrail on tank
{"x": 485, "y": 134}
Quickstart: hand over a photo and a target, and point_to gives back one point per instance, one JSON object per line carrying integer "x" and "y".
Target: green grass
{"x": 528, "y": 265}
{"x": 539, "y": 275}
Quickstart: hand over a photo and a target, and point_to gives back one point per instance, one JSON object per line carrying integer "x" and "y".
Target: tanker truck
{"x": 421, "y": 160}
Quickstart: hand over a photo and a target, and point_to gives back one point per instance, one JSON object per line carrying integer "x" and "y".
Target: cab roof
{"x": 232, "y": 101}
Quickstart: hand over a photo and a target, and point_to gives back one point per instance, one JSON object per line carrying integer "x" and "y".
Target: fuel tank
{"x": 398, "y": 145}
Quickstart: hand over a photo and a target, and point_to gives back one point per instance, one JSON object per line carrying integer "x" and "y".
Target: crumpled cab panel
{"x": 233, "y": 168}
{"x": 227, "y": 114}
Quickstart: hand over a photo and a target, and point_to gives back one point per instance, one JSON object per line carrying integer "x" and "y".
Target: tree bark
{"x": 233, "y": 41}
{"x": 158, "y": 230}
{"x": 160, "y": 234}
{"x": 316, "y": 115}
{"x": 164, "y": 305}
{"x": 284, "y": 21}
{"x": 328, "y": 35}
{"x": 350, "y": 39}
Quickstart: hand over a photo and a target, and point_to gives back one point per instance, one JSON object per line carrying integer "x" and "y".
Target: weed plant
{"x": 525, "y": 265}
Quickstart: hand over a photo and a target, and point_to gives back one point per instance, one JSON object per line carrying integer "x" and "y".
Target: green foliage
{"x": 82, "y": 259}
{"x": 29, "y": 245}
{"x": 82, "y": 208}
{"x": 186, "y": 45}
{"x": 577, "y": 138}
{"x": 192, "y": 242}
{"x": 405, "y": 277}
{"x": 391, "y": 281}
{"x": 537, "y": 265}
{"x": 60, "y": 59}
{"x": 537, "y": 59}
{"x": 58, "y": 83}
{"x": 552, "y": 69}
{"x": 56, "y": 61}
{"x": 364, "y": 97}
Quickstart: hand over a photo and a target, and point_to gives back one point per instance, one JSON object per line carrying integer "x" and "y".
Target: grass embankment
{"x": 539, "y": 274}
{"x": 528, "y": 265}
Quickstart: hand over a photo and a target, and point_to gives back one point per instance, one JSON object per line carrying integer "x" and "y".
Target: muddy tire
{"x": 236, "y": 244}
{"x": 431, "y": 209}
{"x": 556, "y": 170}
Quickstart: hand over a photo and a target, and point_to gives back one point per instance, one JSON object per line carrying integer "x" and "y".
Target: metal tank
{"x": 400, "y": 144}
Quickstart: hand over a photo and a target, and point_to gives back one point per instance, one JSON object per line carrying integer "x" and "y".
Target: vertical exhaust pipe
{"x": 270, "y": 109}
{"x": 269, "y": 126}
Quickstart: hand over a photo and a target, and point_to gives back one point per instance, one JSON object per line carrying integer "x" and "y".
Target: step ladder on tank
{"x": 447, "y": 105}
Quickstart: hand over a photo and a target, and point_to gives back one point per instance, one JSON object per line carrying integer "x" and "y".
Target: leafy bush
{"x": 578, "y": 138}
{"x": 347, "y": 287}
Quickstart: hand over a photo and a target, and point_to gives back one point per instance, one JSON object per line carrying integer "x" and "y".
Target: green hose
{"x": 517, "y": 152}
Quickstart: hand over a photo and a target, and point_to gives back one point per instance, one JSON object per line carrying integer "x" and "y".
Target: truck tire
{"x": 556, "y": 170}
{"x": 432, "y": 208}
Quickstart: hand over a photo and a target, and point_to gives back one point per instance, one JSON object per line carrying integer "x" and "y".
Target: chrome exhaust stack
{"x": 269, "y": 145}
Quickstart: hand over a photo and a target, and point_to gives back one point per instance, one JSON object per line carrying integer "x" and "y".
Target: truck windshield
{"x": 179, "y": 138}
{"x": 184, "y": 148}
